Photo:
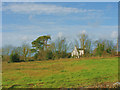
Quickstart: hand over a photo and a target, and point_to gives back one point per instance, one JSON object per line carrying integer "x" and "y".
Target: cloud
{"x": 31, "y": 8}
{"x": 16, "y": 39}
{"x": 0, "y": 6}
{"x": 16, "y": 34}
{"x": 23, "y": 28}
{"x": 60, "y": 34}
{"x": 110, "y": 6}
{"x": 30, "y": 17}
{"x": 84, "y": 32}
{"x": 81, "y": 32}
{"x": 24, "y": 38}
{"x": 114, "y": 34}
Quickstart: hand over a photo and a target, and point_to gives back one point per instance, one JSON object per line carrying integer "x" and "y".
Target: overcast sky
{"x": 24, "y": 22}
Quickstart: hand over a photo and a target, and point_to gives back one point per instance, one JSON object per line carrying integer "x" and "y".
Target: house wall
{"x": 77, "y": 53}
{"x": 81, "y": 52}
{"x": 74, "y": 52}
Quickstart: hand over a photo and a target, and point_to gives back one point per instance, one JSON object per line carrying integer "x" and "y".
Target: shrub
{"x": 69, "y": 55}
{"x": 49, "y": 55}
{"x": 14, "y": 58}
{"x": 36, "y": 56}
{"x": 5, "y": 58}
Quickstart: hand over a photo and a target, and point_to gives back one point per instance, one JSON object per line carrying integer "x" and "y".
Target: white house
{"x": 77, "y": 52}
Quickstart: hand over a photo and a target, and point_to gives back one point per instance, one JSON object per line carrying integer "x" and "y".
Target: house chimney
{"x": 75, "y": 47}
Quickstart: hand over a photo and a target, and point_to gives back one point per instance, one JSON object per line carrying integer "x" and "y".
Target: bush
{"x": 5, "y": 58}
{"x": 14, "y": 58}
{"x": 36, "y": 56}
{"x": 49, "y": 55}
{"x": 69, "y": 55}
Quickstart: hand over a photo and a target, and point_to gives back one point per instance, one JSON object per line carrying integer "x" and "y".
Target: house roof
{"x": 80, "y": 49}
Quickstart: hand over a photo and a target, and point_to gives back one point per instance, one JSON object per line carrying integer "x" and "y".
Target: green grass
{"x": 67, "y": 73}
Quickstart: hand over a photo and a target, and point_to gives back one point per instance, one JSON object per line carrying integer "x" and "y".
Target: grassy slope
{"x": 60, "y": 73}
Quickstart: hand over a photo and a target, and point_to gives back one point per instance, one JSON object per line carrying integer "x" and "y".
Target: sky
{"x": 25, "y": 22}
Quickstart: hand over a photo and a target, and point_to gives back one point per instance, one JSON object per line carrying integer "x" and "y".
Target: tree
{"x": 76, "y": 43}
{"x": 61, "y": 44}
{"x": 99, "y": 47}
{"x": 85, "y": 43}
{"x": 40, "y": 46}
{"x": 14, "y": 57}
{"x": 59, "y": 48}
{"x": 88, "y": 47}
{"x": 41, "y": 42}
{"x": 25, "y": 51}
{"x": 117, "y": 46}
{"x": 104, "y": 47}
{"x": 46, "y": 40}
{"x": 49, "y": 55}
{"x": 83, "y": 38}
{"x": 0, "y": 51}
{"x": 6, "y": 50}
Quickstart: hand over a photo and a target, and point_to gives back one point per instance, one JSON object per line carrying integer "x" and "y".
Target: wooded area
{"x": 43, "y": 48}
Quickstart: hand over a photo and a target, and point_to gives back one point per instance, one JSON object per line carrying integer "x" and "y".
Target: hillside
{"x": 67, "y": 73}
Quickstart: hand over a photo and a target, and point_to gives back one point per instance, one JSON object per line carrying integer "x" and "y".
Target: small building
{"x": 77, "y": 52}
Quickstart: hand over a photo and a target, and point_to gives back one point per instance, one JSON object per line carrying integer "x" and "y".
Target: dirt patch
{"x": 104, "y": 85}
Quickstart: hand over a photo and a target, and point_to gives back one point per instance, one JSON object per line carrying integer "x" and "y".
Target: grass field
{"x": 67, "y": 73}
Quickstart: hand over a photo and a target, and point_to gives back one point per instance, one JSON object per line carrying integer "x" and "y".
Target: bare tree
{"x": 85, "y": 43}
{"x": 25, "y": 50}
{"x": 88, "y": 48}
{"x": 60, "y": 47}
{"x": 6, "y": 50}
{"x": 76, "y": 43}
{"x": 83, "y": 38}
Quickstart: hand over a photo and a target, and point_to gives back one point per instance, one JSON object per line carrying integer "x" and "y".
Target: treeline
{"x": 97, "y": 48}
{"x": 55, "y": 50}
{"x": 16, "y": 54}
{"x": 43, "y": 48}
